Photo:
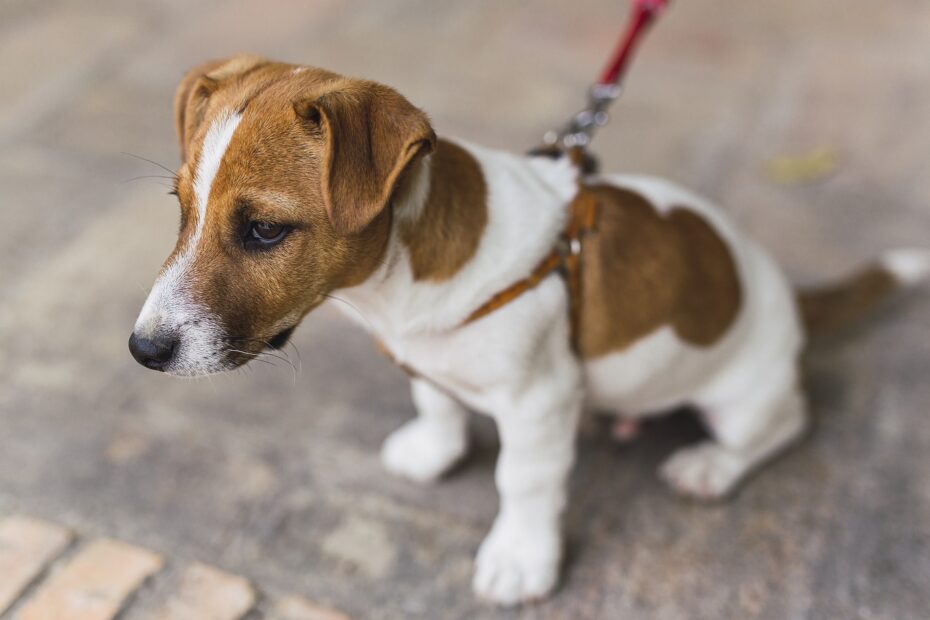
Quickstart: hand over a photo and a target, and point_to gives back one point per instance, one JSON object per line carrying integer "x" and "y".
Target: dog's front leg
{"x": 520, "y": 558}
{"x": 427, "y": 446}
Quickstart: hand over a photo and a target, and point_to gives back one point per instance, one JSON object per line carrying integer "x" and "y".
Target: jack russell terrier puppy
{"x": 298, "y": 184}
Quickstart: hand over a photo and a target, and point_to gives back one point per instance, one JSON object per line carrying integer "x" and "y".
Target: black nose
{"x": 154, "y": 353}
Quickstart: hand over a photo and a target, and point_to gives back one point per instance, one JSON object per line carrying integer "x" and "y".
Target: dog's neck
{"x": 430, "y": 280}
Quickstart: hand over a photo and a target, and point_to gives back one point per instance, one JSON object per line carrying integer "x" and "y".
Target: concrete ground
{"x": 275, "y": 476}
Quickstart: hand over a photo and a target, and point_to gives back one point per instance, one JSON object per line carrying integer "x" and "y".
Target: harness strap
{"x": 564, "y": 257}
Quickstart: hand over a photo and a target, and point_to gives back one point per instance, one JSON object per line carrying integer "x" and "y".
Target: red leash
{"x": 579, "y": 131}
{"x": 642, "y": 15}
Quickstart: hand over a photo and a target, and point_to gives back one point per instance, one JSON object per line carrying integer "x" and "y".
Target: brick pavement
{"x": 100, "y": 579}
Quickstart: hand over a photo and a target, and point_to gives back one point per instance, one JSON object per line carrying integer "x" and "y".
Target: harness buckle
{"x": 568, "y": 247}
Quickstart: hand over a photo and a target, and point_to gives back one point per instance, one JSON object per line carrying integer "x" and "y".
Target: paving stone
{"x": 362, "y": 543}
{"x": 27, "y": 547}
{"x": 297, "y": 608}
{"x": 94, "y": 584}
{"x": 207, "y": 593}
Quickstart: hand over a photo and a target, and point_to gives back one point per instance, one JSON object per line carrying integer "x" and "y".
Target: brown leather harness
{"x": 564, "y": 258}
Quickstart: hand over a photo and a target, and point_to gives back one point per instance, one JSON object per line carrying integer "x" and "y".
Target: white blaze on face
{"x": 170, "y": 307}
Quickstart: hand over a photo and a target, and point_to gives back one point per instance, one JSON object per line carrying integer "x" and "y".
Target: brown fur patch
{"x": 643, "y": 269}
{"x": 229, "y": 84}
{"x": 448, "y": 231}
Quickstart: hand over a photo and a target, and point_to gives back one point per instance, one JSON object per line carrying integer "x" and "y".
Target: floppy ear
{"x": 193, "y": 93}
{"x": 371, "y": 135}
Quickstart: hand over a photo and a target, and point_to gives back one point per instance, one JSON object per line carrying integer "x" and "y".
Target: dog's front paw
{"x": 707, "y": 471}
{"x": 423, "y": 450}
{"x": 517, "y": 564}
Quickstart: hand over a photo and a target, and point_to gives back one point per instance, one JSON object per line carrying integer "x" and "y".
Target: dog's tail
{"x": 836, "y": 305}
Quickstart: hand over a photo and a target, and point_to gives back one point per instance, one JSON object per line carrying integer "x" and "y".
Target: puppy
{"x": 298, "y": 183}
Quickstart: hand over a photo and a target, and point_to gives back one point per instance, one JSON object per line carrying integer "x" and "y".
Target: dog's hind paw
{"x": 423, "y": 450}
{"x": 706, "y": 471}
{"x": 517, "y": 564}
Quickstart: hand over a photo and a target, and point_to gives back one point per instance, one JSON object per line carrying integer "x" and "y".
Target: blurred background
{"x": 809, "y": 121}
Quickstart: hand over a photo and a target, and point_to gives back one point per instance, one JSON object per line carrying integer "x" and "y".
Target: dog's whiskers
{"x": 155, "y": 163}
{"x": 258, "y": 354}
{"x": 149, "y": 176}
{"x": 300, "y": 362}
{"x": 256, "y": 357}
{"x": 353, "y": 306}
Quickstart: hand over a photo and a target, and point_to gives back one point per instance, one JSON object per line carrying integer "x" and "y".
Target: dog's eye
{"x": 265, "y": 234}
{"x": 267, "y": 231}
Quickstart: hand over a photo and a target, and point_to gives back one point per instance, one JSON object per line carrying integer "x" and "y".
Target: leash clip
{"x": 577, "y": 134}
{"x": 579, "y": 131}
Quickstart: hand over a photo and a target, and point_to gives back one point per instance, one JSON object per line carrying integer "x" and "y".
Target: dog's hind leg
{"x": 427, "y": 446}
{"x": 747, "y": 431}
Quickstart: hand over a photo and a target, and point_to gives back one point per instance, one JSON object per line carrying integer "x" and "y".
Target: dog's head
{"x": 285, "y": 186}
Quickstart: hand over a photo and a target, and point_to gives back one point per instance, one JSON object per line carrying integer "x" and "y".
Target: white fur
{"x": 169, "y": 307}
{"x": 427, "y": 446}
{"x": 418, "y": 192}
{"x": 517, "y": 366}
{"x": 211, "y": 156}
{"x": 909, "y": 266}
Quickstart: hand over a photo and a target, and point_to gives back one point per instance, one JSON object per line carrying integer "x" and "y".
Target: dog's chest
{"x": 489, "y": 363}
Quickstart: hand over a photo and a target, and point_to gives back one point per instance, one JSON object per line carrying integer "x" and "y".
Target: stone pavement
{"x": 273, "y": 475}
{"x": 46, "y": 574}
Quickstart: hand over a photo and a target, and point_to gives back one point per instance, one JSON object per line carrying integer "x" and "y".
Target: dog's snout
{"x": 155, "y": 352}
